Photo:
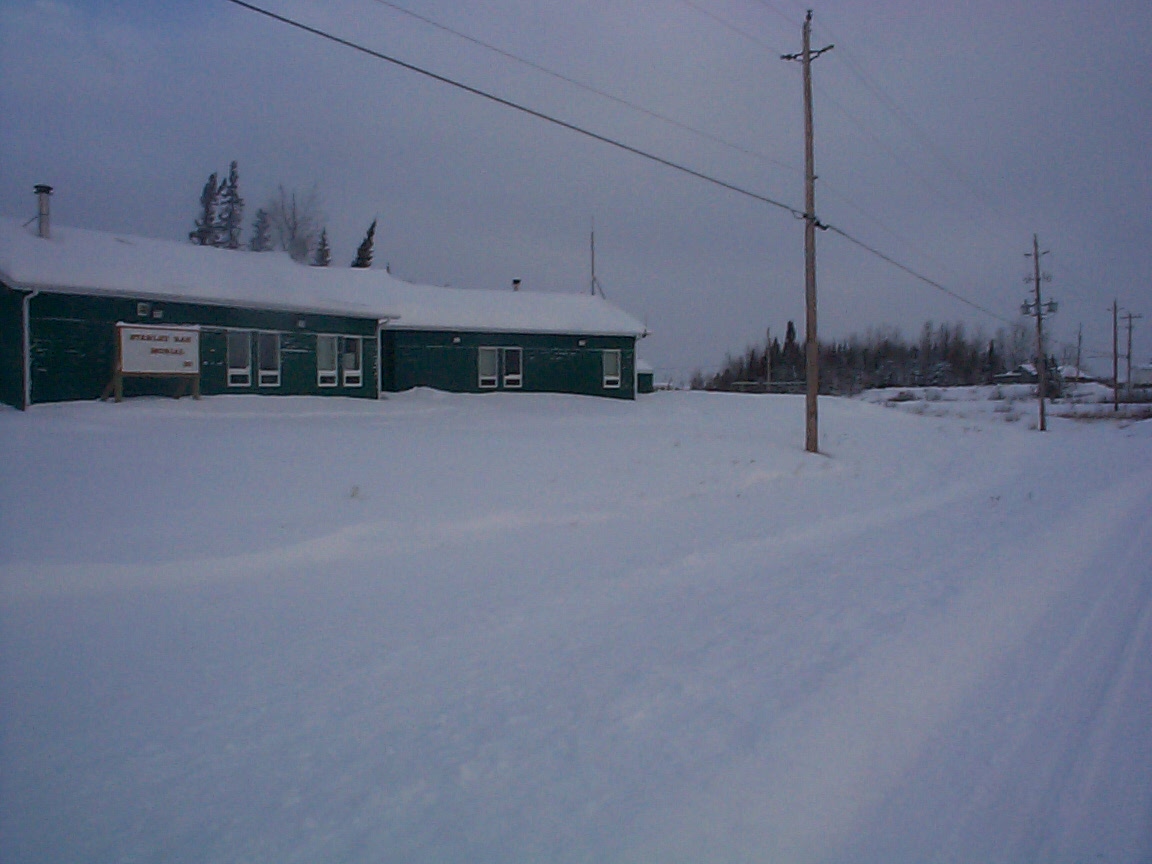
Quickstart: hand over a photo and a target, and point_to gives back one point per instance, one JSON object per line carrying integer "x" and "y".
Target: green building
{"x": 260, "y": 323}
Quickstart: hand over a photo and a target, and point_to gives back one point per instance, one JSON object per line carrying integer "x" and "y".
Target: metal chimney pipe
{"x": 43, "y": 224}
{"x": 515, "y": 284}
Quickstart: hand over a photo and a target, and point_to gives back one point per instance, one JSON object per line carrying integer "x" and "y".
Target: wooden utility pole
{"x": 1040, "y": 310}
{"x": 1128, "y": 378}
{"x": 1115, "y": 355}
{"x": 812, "y": 345}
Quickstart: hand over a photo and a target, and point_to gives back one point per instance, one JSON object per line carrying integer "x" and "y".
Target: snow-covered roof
{"x": 1071, "y": 373}
{"x": 78, "y": 261}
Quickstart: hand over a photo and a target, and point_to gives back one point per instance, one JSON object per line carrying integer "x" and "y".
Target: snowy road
{"x": 558, "y": 629}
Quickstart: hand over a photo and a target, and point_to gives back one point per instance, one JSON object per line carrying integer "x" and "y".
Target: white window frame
{"x": 238, "y": 376}
{"x": 267, "y": 377}
{"x": 352, "y": 377}
{"x": 329, "y": 377}
{"x": 512, "y": 381}
{"x": 488, "y": 382}
{"x": 612, "y": 381}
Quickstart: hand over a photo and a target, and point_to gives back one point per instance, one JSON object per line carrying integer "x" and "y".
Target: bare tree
{"x": 295, "y": 220}
{"x": 1014, "y": 345}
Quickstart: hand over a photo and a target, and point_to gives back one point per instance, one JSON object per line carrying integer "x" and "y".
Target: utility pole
{"x": 1128, "y": 379}
{"x": 768, "y": 357}
{"x": 1115, "y": 355}
{"x": 1040, "y": 310}
{"x": 812, "y": 346}
{"x": 1079, "y": 346}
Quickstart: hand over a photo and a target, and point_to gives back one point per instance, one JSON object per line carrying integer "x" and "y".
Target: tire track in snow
{"x": 1097, "y": 693}
{"x": 810, "y": 791}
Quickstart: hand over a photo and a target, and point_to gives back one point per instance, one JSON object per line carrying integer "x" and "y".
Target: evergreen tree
{"x": 231, "y": 210}
{"x": 204, "y": 232}
{"x": 791, "y": 354}
{"x": 323, "y": 253}
{"x": 364, "y": 253}
{"x": 261, "y": 232}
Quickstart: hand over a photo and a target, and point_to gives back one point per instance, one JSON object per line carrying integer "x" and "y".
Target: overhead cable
{"x": 508, "y": 103}
{"x": 916, "y": 275}
{"x": 664, "y": 118}
{"x": 798, "y": 214}
{"x": 857, "y": 69}
{"x": 729, "y": 25}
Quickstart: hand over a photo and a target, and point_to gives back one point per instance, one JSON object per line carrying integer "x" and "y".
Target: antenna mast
{"x": 593, "y": 255}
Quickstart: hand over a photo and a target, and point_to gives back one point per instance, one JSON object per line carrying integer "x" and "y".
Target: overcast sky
{"x": 946, "y": 135}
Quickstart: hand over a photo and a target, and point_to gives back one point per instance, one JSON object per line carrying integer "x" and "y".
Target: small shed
{"x": 645, "y": 377}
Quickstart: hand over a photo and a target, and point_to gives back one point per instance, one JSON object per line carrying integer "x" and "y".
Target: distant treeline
{"x": 944, "y": 356}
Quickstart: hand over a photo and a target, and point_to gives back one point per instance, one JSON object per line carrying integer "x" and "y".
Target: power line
{"x": 916, "y": 275}
{"x": 777, "y": 10}
{"x": 587, "y": 87}
{"x": 723, "y": 22}
{"x": 798, "y": 214}
{"x": 508, "y": 103}
{"x": 826, "y": 185}
{"x": 856, "y": 68}
{"x": 832, "y": 189}
{"x": 647, "y": 111}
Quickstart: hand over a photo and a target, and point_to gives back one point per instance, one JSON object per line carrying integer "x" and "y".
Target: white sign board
{"x": 147, "y": 350}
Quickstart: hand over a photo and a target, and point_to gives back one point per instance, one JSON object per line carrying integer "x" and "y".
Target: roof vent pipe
{"x": 43, "y": 227}
{"x": 515, "y": 284}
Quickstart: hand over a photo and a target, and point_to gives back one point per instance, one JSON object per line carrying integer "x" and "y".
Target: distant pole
{"x": 1079, "y": 346}
{"x": 1042, "y": 364}
{"x": 1115, "y": 355}
{"x": 1128, "y": 377}
{"x": 812, "y": 346}
{"x": 1036, "y": 306}
{"x": 768, "y": 356}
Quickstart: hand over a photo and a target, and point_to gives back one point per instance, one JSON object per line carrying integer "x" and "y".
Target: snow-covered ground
{"x": 1016, "y": 402}
{"x": 526, "y": 628}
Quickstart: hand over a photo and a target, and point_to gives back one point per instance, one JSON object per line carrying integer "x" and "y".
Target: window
{"x": 326, "y": 361}
{"x": 498, "y": 365}
{"x": 239, "y": 359}
{"x": 351, "y": 356}
{"x": 513, "y": 367}
{"x": 489, "y": 365}
{"x": 612, "y": 368}
{"x": 268, "y": 358}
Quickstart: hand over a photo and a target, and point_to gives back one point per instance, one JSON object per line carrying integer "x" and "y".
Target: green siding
{"x": 551, "y": 363}
{"x": 11, "y": 347}
{"x": 73, "y": 351}
{"x": 73, "y": 346}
